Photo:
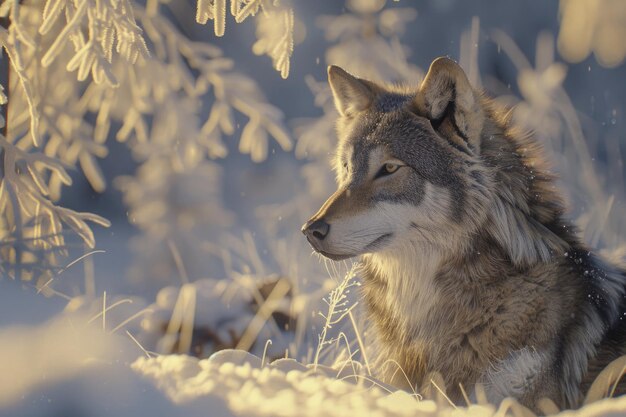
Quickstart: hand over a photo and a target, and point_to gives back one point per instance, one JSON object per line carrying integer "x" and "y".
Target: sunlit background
{"x": 196, "y": 137}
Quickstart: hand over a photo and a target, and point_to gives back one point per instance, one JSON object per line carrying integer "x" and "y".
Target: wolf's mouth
{"x": 378, "y": 242}
{"x": 375, "y": 244}
{"x": 329, "y": 255}
{"x": 333, "y": 256}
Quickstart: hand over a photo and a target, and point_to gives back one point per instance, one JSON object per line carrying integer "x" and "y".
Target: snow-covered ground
{"x": 73, "y": 364}
{"x": 229, "y": 383}
{"x": 244, "y": 385}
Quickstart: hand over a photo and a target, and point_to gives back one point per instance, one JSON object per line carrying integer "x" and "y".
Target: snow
{"x": 282, "y": 388}
{"x": 67, "y": 366}
{"x": 72, "y": 365}
{"x": 288, "y": 388}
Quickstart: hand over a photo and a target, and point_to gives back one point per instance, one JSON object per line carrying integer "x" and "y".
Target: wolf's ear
{"x": 449, "y": 101}
{"x": 352, "y": 95}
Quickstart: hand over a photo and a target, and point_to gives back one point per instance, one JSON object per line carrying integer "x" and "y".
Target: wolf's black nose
{"x": 317, "y": 229}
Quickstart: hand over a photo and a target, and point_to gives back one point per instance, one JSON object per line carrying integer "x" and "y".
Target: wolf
{"x": 470, "y": 266}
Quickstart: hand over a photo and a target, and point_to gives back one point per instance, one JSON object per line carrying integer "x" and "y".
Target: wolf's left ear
{"x": 352, "y": 95}
{"x": 449, "y": 101}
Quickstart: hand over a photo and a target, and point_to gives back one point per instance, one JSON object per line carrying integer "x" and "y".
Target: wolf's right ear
{"x": 352, "y": 95}
{"x": 448, "y": 100}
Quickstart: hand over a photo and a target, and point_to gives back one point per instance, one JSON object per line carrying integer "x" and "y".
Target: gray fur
{"x": 470, "y": 268}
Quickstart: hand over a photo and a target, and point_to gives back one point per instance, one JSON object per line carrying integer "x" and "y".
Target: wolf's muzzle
{"x": 315, "y": 232}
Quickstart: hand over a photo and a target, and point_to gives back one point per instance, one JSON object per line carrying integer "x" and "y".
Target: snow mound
{"x": 67, "y": 367}
{"x": 246, "y": 386}
{"x": 282, "y": 388}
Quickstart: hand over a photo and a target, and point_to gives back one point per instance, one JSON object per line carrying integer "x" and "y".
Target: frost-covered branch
{"x": 176, "y": 192}
{"x": 13, "y": 39}
{"x": 153, "y": 101}
{"x": 31, "y": 227}
{"x": 110, "y": 25}
{"x": 275, "y": 38}
{"x": 185, "y": 72}
{"x": 275, "y": 25}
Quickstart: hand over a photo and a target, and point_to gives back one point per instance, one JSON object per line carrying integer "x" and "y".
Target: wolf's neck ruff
{"x": 400, "y": 295}
{"x": 404, "y": 277}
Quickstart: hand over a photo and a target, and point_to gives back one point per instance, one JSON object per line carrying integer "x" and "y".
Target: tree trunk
{"x": 5, "y": 67}
{"x": 4, "y": 78}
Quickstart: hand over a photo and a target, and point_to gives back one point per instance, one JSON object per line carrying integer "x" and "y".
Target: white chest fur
{"x": 411, "y": 294}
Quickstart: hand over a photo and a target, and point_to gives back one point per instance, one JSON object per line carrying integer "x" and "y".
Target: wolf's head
{"x": 409, "y": 169}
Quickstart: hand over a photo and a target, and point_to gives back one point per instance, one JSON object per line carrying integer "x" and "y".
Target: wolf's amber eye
{"x": 387, "y": 169}
{"x": 391, "y": 168}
